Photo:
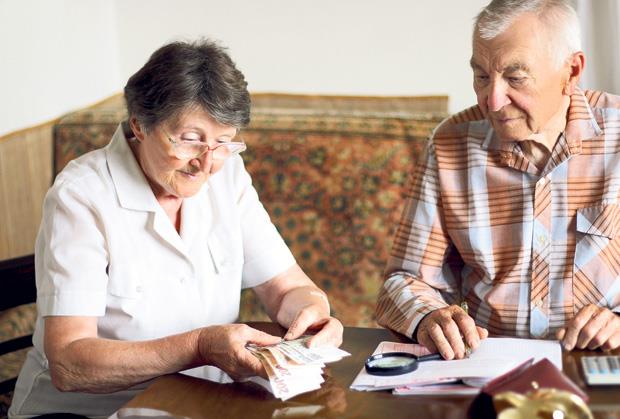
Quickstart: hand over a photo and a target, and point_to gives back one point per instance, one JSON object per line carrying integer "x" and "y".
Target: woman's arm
{"x": 294, "y": 301}
{"x": 80, "y": 361}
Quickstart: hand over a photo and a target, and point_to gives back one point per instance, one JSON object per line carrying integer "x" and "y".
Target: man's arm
{"x": 420, "y": 281}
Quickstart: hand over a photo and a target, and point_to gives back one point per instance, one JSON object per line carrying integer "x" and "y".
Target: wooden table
{"x": 195, "y": 398}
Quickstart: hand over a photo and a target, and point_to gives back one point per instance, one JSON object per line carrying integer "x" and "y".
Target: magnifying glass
{"x": 396, "y": 363}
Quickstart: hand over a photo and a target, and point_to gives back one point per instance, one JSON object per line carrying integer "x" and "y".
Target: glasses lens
{"x": 186, "y": 150}
{"x": 226, "y": 150}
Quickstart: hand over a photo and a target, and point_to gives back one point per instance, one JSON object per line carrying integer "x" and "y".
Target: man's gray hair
{"x": 557, "y": 16}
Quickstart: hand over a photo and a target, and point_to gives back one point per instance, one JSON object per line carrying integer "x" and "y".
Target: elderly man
{"x": 513, "y": 211}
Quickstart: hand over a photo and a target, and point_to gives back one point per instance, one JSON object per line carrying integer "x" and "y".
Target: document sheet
{"x": 493, "y": 357}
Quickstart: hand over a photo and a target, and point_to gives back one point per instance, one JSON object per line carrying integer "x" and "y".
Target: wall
{"x": 59, "y": 55}
{"x": 388, "y": 47}
{"x": 600, "y": 33}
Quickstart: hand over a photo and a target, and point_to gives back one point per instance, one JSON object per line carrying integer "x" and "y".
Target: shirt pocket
{"x": 123, "y": 283}
{"x": 125, "y": 288}
{"x": 225, "y": 255}
{"x": 226, "y": 262}
{"x": 597, "y": 255}
{"x": 600, "y": 220}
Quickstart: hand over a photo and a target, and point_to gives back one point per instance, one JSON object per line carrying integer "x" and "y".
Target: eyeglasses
{"x": 186, "y": 149}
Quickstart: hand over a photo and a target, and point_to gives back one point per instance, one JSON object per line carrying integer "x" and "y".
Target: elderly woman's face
{"x": 169, "y": 175}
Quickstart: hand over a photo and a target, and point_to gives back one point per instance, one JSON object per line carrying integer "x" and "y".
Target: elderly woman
{"x": 145, "y": 246}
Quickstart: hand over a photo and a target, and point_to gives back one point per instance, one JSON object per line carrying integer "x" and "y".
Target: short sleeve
{"x": 71, "y": 257}
{"x": 265, "y": 252}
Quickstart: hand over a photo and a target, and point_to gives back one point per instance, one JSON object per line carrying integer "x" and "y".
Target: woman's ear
{"x": 136, "y": 128}
{"x": 576, "y": 65}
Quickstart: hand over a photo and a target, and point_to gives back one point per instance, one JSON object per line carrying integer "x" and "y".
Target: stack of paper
{"x": 494, "y": 357}
{"x": 292, "y": 367}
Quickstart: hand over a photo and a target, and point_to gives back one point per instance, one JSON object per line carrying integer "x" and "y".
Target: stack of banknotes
{"x": 292, "y": 367}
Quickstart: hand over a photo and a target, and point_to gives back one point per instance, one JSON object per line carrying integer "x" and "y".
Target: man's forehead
{"x": 517, "y": 48}
{"x": 506, "y": 53}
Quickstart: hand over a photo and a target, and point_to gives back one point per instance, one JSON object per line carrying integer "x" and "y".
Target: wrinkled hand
{"x": 446, "y": 330}
{"x": 224, "y": 347}
{"x": 312, "y": 318}
{"x": 593, "y": 327}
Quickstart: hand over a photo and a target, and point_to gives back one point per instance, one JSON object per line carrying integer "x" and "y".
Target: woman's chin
{"x": 190, "y": 185}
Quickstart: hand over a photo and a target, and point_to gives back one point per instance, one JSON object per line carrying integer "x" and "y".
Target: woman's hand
{"x": 225, "y": 347}
{"x": 311, "y": 318}
{"x": 295, "y": 302}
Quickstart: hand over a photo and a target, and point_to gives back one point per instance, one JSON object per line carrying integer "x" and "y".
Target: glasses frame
{"x": 206, "y": 147}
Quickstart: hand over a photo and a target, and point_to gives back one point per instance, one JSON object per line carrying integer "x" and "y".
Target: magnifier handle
{"x": 430, "y": 357}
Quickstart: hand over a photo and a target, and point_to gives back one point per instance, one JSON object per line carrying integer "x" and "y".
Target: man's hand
{"x": 311, "y": 318}
{"x": 446, "y": 330}
{"x": 593, "y": 327}
{"x": 224, "y": 347}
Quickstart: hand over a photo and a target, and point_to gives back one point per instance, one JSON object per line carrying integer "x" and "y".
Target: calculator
{"x": 601, "y": 369}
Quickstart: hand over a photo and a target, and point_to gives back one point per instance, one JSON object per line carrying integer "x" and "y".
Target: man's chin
{"x": 510, "y": 135}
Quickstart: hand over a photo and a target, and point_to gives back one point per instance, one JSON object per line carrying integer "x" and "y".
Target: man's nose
{"x": 497, "y": 96}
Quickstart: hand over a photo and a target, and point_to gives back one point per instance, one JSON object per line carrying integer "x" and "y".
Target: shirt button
{"x": 542, "y": 240}
{"x": 182, "y": 279}
{"x": 538, "y": 303}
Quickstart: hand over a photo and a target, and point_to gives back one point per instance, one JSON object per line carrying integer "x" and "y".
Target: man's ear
{"x": 576, "y": 65}
{"x": 136, "y": 128}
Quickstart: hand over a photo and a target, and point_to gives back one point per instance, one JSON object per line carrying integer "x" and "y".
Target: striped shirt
{"x": 525, "y": 248}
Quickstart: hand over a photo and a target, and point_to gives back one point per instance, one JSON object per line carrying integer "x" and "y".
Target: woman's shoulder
{"x": 87, "y": 174}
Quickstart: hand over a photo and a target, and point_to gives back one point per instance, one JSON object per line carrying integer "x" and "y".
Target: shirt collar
{"x": 581, "y": 124}
{"x": 131, "y": 186}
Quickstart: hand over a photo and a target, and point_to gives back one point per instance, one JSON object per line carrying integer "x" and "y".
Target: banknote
{"x": 292, "y": 367}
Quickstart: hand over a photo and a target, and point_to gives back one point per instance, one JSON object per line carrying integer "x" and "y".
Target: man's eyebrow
{"x": 474, "y": 65}
{"x": 518, "y": 66}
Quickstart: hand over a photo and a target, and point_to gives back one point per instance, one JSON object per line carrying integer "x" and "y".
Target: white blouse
{"x": 106, "y": 248}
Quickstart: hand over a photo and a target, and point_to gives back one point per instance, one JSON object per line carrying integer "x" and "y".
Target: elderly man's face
{"x": 518, "y": 85}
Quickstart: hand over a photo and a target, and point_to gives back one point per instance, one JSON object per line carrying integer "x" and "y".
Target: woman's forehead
{"x": 196, "y": 118}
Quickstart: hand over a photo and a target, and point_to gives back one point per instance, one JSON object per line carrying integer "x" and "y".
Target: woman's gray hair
{"x": 183, "y": 75}
{"x": 557, "y": 16}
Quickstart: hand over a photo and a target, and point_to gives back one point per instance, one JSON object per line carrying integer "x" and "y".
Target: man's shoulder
{"x": 602, "y": 100}
{"x": 461, "y": 123}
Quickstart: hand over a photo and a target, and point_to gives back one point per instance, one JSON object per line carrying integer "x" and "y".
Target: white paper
{"x": 494, "y": 357}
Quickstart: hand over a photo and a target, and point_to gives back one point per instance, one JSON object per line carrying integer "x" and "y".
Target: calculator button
{"x": 591, "y": 366}
{"x": 602, "y": 365}
{"x": 601, "y": 370}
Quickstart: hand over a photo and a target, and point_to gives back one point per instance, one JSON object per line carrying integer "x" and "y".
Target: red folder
{"x": 544, "y": 373}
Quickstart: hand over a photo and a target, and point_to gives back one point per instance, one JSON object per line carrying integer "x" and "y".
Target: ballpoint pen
{"x": 467, "y": 347}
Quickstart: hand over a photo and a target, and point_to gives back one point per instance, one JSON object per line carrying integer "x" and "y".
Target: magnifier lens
{"x": 391, "y": 362}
